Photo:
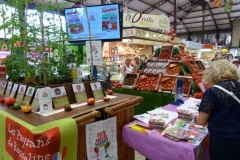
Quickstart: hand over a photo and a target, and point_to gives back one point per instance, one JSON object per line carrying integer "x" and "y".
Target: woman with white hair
{"x": 221, "y": 110}
{"x": 126, "y": 68}
{"x": 137, "y": 62}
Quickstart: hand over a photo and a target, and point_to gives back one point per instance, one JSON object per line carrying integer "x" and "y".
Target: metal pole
{"x": 175, "y": 16}
{"x": 203, "y": 29}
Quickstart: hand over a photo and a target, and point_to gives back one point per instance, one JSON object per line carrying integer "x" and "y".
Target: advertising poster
{"x": 101, "y": 140}
{"x": 97, "y": 90}
{"x": 2, "y": 87}
{"x": 79, "y": 92}
{"x": 59, "y": 97}
{"x": 55, "y": 140}
{"x": 8, "y": 90}
{"x": 104, "y": 22}
{"x": 45, "y": 100}
{"x": 96, "y": 52}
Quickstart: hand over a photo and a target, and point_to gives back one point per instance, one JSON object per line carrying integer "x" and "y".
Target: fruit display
{"x": 10, "y": 101}
{"x": 155, "y": 67}
{"x": 200, "y": 66}
{"x": 172, "y": 36}
{"x": 173, "y": 68}
{"x": 148, "y": 82}
{"x": 130, "y": 79}
{"x": 168, "y": 83}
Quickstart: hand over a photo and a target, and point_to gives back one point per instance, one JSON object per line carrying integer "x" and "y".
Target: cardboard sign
{"x": 3, "y": 85}
{"x": 8, "y": 90}
{"x": 21, "y": 91}
{"x": 76, "y": 75}
{"x": 97, "y": 90}
{"x": 79, "y": 92}
{"x": 28, "y": 96}
{"x": 59, "y": 97}
{"x": 14, "y": 90}
{"x": 45, "y": 100}
{"x": 101, "y": 140}
{"x": 35, "y": 102}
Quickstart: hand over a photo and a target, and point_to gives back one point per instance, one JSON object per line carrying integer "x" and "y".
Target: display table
{"x": 122, "y": 107}
{"x": 151, "y": 100}
{"x": 155, "y": 146}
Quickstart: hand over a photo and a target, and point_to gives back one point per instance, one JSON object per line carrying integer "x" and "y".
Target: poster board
{"x": 97, "y": 90}
{"x": 35, "y": 102}
{"x": 28, "y": 96}
{"x": 3, "y": 85}
{"x": 21, "y": 91}
{"x": 14, "y": 90}
{"x": 59, "y": 97}
{"x": 45, "y": 100}
{"x": 101, "y": 140}
{"x": 79, "y": 92}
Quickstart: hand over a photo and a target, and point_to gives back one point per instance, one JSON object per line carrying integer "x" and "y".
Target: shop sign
{"x": 146, "y": 20}
{"x": 190, "y": 44}
{"x": 140, "y": 33}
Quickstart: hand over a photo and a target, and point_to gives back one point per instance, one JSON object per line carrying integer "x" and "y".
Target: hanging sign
{"x": 228, "y": 6}
{"x": 96, "y": 52}
{"x": 146, "y": 21}
{"x": 101, "y": 140}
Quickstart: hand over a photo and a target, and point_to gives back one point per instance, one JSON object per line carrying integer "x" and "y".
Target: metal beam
{"x": 201, "y": 26}
{"x": 155, "y": 6}
{"x": 185, "y": 6}
{"x": 206, "y": 32}
{"x": 210, "y": 20}
{"x": 210, "y": 11}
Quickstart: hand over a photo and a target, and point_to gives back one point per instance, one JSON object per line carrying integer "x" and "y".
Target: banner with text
{"x": 56, "y": 140}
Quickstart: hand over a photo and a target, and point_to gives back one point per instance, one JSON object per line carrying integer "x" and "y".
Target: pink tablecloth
{"x": 157, "y": 147}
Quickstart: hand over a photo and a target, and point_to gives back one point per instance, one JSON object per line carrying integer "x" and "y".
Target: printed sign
{"x": 101, "y": 140}
{"x": 2, "y": 87}
{"x": 35, "y": 102}
{"x": 14, "y": 90}
{"x": 45, "y": 100}
{"x": 97, "y": 90}
{"x": 96, "y": 52}
{"x": 59, "y": 97}
{"x": 79, "y": 92}
{"x": 21, "y": 91}
{"x": 28, "y": 96}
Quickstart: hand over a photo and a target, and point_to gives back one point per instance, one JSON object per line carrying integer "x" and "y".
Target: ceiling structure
{"x": 192, "y": 15}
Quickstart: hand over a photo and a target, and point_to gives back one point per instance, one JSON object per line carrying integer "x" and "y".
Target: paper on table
{"x": 193, "y": 101}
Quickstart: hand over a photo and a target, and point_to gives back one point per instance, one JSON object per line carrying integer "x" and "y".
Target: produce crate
{"x": 166, "y": 52}
{"x": 167, "y": 84}
{"x": 130, "y": 80}
{"x": 148, "y": 82}
{"x": 187, "y": 81}
{"x": 200, "y": 66}
{"x": 173, "y": 68}
{"x": 155, "y": 67}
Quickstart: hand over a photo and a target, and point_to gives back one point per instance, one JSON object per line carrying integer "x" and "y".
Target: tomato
{"x": 90, "y": 101}
{"x": 10, "y": 101}
{"x": 106, "y": 99}
{"x": 109, "y": 92}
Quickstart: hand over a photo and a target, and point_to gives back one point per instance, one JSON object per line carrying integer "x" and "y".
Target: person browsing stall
{"x": 237, "y": 63}
{"x": 126, "y": 68}
{"x": 137, "y": 62}
{"x": 220, "y": 111}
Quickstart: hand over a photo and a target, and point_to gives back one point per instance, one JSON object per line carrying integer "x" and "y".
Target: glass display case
{"x": 111, "y": 68}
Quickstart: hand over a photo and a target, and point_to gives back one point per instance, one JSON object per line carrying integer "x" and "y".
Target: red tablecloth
{"x": 157, "y": 147}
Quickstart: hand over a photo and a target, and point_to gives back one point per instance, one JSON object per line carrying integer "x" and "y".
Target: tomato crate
{"x": 130, "y": 80}
{"x": 173, "y": 68}
{"x": 167, "y": 84}
{"x": 148, "y": 82}
{"x": 187, "y": 82}
{"x": 166, "y": 52}
{"x": 200, "y": 66}
{"x": 155, "y": 67}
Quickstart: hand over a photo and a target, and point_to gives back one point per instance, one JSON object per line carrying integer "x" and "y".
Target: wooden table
{"x": 122, "y": 107}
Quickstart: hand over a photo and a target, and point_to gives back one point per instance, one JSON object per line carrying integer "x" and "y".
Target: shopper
{"x": 137, "y": 62}
{"x": 237, "y": 63}
{"x": 221, "y": 111}
{"x": 126, "y": 68}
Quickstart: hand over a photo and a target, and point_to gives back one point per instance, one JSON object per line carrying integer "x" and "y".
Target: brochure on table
{"x": 14, "y": 90}
{"x": 79, "y": 92}
{"x": 21, "y": 91}
{"x": 59, "y": 97}
{"x": 97, "y": 90}
{"x": 28, "y": 96}
{"x": 8, "y": 90}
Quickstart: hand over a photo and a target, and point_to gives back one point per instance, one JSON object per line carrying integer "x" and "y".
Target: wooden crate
{"x": 166, "y": 52}
{"x": 187, "y": 82}
{"x": 148, "y": 82}
{"x": 167, "y": 88}
{"x": 173, "y": 68}
{"x": 200, "y": 66}
{"x": 130, "y": 80}
{"x": 155, "y": 67}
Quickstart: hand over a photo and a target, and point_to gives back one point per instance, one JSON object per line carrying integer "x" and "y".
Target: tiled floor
{"x": 138, "y": 156}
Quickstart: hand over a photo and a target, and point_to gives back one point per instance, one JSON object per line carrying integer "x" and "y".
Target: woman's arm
{"x": 202, "y": 118}
{"x": 123, "y": 70}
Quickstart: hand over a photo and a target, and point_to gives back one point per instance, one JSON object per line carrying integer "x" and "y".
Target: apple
{"x": 67, "y": 108}
{"x": 16, "y": 106}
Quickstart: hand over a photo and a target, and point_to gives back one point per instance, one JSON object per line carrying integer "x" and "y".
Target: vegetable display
{"x": 147, "y": 83}
{"x": 167, "y": 83}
